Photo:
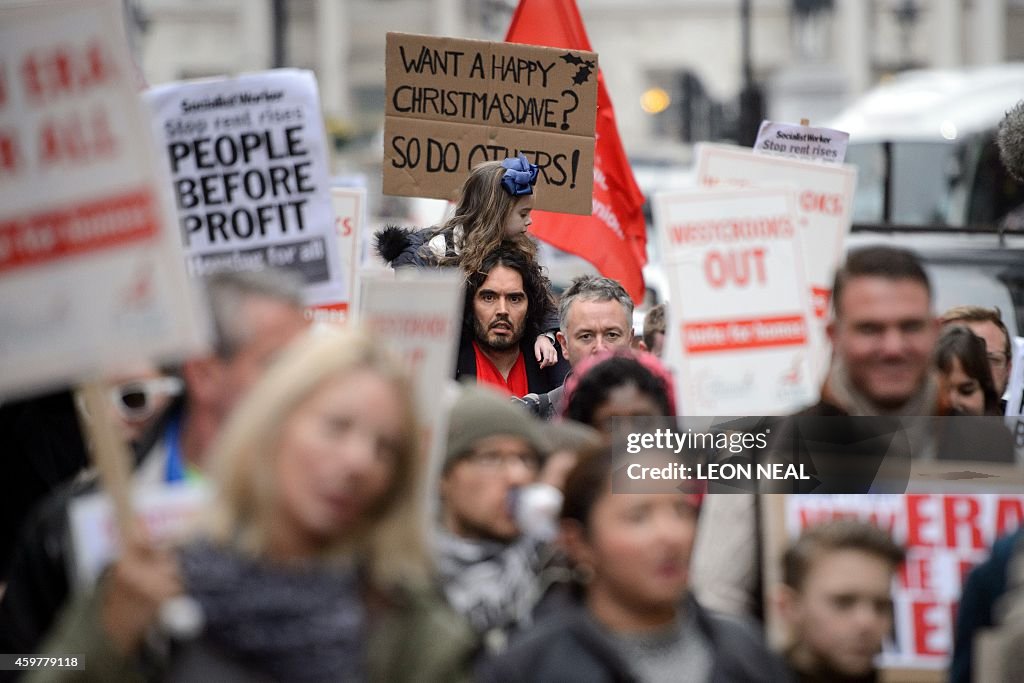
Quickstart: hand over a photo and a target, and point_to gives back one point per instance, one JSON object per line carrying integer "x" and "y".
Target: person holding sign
{"x": 311, "y": 564}
{"x": 494, "y": 208}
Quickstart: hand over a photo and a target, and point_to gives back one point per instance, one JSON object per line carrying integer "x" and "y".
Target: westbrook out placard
{"x": 452, "y": 104}
{"x": 740, "y": 313}
{"x": 248, "y": 162}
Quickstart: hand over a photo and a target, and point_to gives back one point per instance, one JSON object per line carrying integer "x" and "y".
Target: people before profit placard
{"x": 836, "y": 601}
{"x": 506, "y": 303}
{"x": 255, "y": 316}
{"x": 988, "y": 324}
{"x": 494, "y": 208}
{"x": 595, "y": 315}
{"x": 310, "y": 564}
{"x": 631, "y": 616}
{"x": 495, "y": 530}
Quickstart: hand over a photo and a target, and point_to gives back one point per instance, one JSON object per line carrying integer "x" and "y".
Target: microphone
{"x": 1010, "y": 139}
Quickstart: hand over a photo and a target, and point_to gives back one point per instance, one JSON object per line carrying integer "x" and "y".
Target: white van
{"x": 924, "y": 146}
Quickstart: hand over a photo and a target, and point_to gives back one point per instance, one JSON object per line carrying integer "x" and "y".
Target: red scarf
{"x": 488, "y": 373}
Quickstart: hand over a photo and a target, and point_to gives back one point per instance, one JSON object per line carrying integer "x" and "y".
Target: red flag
{"x": 614, "y": 236}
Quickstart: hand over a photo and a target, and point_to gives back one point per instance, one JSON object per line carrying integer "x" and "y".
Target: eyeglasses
{"x": 998, "y": 360}
{"x": 136, "y": 400}
{"x": 495, "y": 460}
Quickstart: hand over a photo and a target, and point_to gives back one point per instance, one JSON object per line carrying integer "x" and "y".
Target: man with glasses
{"x": 489, "y": 565}
{"x": 988, "y": 324}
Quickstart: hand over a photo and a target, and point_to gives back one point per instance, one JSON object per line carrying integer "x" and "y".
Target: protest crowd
{"x": 435, "y": 487}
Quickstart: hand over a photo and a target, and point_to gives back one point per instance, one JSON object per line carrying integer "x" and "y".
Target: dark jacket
{"x": 984, "y": 586}
{"x": 402, "y": 247}
{"x": 38, "y": 583}
{"x": 571, "y": 647}
{"x": 537, "y": 379}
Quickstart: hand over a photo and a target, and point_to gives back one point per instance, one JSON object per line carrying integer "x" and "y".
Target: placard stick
{"x": 109, "y": 453}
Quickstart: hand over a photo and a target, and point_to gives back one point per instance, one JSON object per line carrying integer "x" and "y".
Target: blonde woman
{"x": 311, "y": 565}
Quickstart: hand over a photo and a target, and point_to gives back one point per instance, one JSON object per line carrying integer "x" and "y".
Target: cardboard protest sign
{"x": 945, "y": 536}
{"x": 740, "y": 309}
{"x": 452, "y": 104}
{"x": 168, "y": 512}
{"x": 813, "y": 144}
{"x": 90, "y": 263}
{"x": 248, "y": 162}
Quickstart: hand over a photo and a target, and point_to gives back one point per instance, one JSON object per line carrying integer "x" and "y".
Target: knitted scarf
{"x": 294, "y": 623}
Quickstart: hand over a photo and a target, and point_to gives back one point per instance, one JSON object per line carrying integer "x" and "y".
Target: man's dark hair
{"x": 834, "y": 536}
{"x": 536, "y": 286}
{"x": 959, "y": 343}
{"x": 886, "y": 262}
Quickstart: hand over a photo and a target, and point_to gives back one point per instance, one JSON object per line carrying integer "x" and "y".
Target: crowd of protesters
{"x": 314, "y": 560}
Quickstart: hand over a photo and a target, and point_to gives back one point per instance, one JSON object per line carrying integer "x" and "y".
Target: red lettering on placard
{"x": 62, "y": 233}
{"x": 1009, "y": 513}
{"x": 728, "y": 335}
{"x": 76, "y": 139}
{"x": 820, "y": 202}
{"x": 929, "y": 627}
{"x": 961, "y": 513}
{"x": 917, "y": 573}
{"x": 917, "y": 518}
{"x": 9, "y": 156}
{"x": 57, "y": 71}
{"x": 737, "y": 267}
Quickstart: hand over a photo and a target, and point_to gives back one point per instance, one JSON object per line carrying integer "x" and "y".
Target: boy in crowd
{"x": 836, "y": 600}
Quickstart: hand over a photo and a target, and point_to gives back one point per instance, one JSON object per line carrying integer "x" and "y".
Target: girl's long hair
{"x": 482, "y": 210}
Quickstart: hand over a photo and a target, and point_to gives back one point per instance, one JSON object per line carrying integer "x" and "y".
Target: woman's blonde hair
{"x": 389, "y": 544}
{"x": 482, "y": 210}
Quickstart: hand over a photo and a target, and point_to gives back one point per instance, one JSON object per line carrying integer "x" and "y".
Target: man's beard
{"x": 494, "y": 342}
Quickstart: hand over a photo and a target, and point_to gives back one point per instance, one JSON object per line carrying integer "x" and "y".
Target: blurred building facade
{"x": 674, "y": 67}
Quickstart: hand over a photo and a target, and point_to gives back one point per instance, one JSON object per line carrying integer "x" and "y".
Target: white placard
{"x": 169, "y": 513}
{"x": 804, "y": 142}
{"x": 349, "y": 206}
{"x": 944, "y": 535}
{"x": 741, "y": 317}
{"x": 91, "y": 274}
{"x": 824, "y": 201}
{"x": 418, "y": 317}
{"x": 248, "y": 162}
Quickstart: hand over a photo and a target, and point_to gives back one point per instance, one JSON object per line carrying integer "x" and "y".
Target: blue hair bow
{"x": 520, "y": 176}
